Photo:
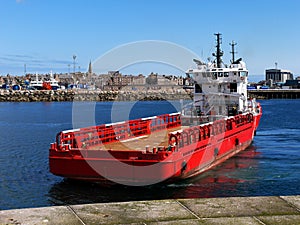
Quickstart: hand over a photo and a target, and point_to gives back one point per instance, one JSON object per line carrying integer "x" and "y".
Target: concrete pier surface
{"x": 281, "y": 210}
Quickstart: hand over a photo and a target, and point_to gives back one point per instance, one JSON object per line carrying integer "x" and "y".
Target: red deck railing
{"x": 85, "y": 138}
{"x": 195, "y": 134}
{"x": 109, "y": 133}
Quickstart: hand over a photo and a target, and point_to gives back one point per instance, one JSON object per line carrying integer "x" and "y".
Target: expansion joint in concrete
{"x": 258, "y": 220}
{"x": 75, "y": 214}
{"x": 189, "y": 210}
{"x": 290, "y": 204}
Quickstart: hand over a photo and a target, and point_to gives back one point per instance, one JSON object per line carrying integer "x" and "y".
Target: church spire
{"x": 90, "y": 68}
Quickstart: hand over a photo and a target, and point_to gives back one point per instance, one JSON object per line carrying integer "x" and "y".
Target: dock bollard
{"x": 148, "y": 149}
{"x": 154, "y": 150}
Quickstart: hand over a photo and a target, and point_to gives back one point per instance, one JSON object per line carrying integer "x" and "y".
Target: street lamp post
{"x": 74, "y": 58}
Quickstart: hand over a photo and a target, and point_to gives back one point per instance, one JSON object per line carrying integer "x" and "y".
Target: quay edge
{"x": 275, "y": 94}
{"x": 232, "y": 210}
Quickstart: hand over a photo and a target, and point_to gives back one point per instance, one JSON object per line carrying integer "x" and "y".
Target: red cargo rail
{"x": 87, "y": 137}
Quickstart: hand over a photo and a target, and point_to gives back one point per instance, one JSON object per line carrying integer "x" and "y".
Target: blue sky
{"x": 45, "y": 35}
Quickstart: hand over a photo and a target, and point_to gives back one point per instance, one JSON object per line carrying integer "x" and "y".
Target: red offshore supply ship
{"x": 219, "y": 123}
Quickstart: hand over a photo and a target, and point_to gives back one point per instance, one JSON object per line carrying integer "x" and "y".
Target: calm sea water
{"x": 271, "y": 166}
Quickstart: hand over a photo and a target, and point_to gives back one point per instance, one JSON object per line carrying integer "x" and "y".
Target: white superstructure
{"x": 36, "y": 84}
{"x": 219, "y": 90}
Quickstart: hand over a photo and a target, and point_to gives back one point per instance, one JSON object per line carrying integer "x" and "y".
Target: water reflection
{"x": 231, "y": 178}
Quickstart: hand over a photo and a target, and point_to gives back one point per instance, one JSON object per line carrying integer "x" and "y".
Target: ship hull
{"x": 131, "y": 167}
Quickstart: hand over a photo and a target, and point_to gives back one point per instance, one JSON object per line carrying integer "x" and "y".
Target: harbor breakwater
{"x": 90, "y": 95}
{"x": 127, "y": 95}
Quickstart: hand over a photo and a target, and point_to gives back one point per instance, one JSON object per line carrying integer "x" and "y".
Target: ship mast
{"x": 219, "y": 52}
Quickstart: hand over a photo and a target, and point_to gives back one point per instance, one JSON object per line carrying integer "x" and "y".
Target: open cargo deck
{"x": 155, "y": 140}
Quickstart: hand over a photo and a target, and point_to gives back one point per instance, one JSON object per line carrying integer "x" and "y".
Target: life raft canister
{"x": 173, "y": 140}
{"x": 250, "y": 117}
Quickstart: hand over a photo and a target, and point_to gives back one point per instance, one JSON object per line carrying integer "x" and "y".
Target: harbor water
{"x": 271, "y": 166}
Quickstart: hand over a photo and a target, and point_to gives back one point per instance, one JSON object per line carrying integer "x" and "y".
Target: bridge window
{"x": 243, "y": 74}
{"x": 214, "y": 75}
{"x": 226, "y": 74}
{"x": 220, "y": 74}
{"x": 191, "y": 75}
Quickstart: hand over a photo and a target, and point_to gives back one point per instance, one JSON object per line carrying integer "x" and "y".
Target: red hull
{"x": 190, "y": 152}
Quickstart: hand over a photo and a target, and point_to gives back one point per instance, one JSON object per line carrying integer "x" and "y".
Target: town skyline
{"x": 46, "y": 35}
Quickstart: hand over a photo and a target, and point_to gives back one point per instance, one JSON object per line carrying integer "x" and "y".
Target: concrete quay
{"x": 234, "y": 210}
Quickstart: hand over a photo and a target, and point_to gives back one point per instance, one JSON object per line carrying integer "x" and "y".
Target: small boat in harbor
{"x": 36, "y": 84}
{"x": 51, "y": 84}
{"x": 219, "y": 123}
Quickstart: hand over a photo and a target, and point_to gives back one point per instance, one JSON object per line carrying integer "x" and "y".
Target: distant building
{"x": 152, "y": 79}
{"x": 278, "y": 75}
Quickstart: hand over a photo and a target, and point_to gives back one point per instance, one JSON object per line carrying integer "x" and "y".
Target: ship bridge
{"x": 219, "y": 89}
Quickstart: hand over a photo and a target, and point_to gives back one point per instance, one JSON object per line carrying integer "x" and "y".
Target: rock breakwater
{"x": 87, "y": 95}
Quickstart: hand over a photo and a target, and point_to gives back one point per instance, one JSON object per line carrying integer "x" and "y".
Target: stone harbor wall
{"x": 87, "y": 95}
